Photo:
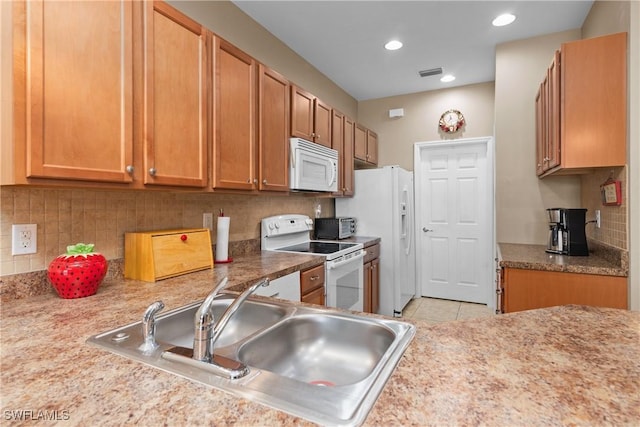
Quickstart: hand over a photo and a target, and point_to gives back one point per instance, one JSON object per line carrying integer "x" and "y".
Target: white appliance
{"x": 312, "y": 167}
{"x": 383, "y": 206}
{"x": 344, "y": 281}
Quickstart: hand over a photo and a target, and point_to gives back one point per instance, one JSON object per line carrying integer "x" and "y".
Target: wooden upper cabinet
{"x": 322, "y": 123}
{"x": 594, "y": 102}
{"x": 310, "y": 117}
{"x": 301, "y": 113}
{"x": 372, "y": 147}
{"x": 347, "y": 162}
{"x": 342, "y": 141}
{"x": 273, "y": 134}
{"x": 234, "y": 88}
{"x": 76, "y": 97}
{"x": 581, "y": 110}
{"x": 360, "y": 142}
{"x": 175, "y": 98}
{"x": 365, "y": 145}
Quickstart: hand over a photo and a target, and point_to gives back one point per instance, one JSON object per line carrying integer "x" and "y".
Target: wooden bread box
{"x": 157, "y": 255}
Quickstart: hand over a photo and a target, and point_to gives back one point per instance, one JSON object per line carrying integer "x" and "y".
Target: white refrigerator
{"x": 383, "y": 207}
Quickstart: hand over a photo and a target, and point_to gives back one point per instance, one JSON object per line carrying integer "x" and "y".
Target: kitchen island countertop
{"x": 557, "y": 366}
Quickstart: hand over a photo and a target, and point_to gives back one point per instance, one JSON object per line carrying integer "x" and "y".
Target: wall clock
{"x": 451, "y": 121}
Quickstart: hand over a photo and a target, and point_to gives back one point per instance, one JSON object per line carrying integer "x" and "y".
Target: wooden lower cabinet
{"x": 371, "y": 273}
{"x": 530, "y": 289}
{"x": 312, "y": 285}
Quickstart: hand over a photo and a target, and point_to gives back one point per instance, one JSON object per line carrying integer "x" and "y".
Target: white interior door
{"x": 454, "y": 219}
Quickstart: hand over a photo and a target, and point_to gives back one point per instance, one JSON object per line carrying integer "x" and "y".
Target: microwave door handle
{"x": 334, "y": 173}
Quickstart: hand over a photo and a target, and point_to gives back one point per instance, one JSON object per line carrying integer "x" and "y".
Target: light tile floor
{"x": 433, "y": 310}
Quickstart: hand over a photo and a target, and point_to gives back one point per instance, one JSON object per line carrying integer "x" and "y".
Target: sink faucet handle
{"x": 203, "y": 324}
{"x": 149, "y": 326}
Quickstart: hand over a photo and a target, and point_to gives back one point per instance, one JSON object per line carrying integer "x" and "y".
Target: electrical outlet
{"x": 24, "y": 239}
{"x": 597, "y": 218}
{"x": 207, "y": 220}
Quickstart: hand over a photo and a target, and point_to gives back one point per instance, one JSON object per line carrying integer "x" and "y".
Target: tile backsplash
{"x": 613, "y": 229}
{"x": 68, "y": 216}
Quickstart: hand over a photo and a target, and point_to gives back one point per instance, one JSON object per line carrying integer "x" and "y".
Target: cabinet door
{"x": 594, "y": 102}
{"x": 552, "y": 103}
{"x": 360, "y": 143}
{"x": 366, "y": 306}
{"x": 347, "y": 162}
{"x": 234, "y": 117}
{"x": 372, "y": 147}
{"x": 540, "y": 129}
{"x": 79, "y": 101}
{"x": 322, "y": 123}
{"x": 529, "y": 289}
{"x": 301, "y": 113}
{"x": 337, "y": 143}
{"x": 273, "y": 142}
{"x": 175, "y": 144}
{"x": 375, "y": 285}
{"x": 314, "y": 297}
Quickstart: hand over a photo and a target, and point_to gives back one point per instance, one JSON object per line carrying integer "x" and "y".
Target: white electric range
{"x": 344, "y": 280}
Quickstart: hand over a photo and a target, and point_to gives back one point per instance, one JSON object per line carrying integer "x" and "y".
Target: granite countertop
{"x": 568, "y": 365}
{"x": 534, "y": 257}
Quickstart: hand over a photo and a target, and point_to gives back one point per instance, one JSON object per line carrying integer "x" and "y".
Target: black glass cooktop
{"x": 318, "y": 247}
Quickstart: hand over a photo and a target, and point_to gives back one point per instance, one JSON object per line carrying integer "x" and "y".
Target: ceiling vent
{"x": 431, "y": 72}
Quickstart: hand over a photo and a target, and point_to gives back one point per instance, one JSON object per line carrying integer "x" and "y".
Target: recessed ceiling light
{"x": 504, "y": 19}
{"x": 447, "y": 78}
{"x": 393, "y": 45}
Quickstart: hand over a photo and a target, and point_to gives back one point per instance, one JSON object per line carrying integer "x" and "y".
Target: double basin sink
{"x": 323, "y": 365}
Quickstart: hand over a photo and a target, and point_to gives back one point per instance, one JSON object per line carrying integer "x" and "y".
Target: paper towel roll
{"x": 222, "y": 239}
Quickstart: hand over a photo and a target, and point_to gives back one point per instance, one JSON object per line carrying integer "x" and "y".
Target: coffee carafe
{"x": 566, "y": 232}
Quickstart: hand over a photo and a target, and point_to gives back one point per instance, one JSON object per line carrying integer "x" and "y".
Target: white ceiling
{"x": 345, "y": 39}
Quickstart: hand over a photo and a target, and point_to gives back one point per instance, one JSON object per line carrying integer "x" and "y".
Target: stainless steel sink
{"x": 177, "y": 327}
{"x": 319, "y": 364}
{"x": 319, "y": 349}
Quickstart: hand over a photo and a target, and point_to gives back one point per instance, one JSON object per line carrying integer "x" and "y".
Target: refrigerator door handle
{"x": 407, "y": 219}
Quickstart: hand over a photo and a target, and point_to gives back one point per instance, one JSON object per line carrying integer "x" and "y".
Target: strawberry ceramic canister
{"x": 79, "y": 272}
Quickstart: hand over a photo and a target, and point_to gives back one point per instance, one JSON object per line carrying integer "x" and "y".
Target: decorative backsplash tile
{"x": 613, "y": 229}
{"x": 69, "y": 216}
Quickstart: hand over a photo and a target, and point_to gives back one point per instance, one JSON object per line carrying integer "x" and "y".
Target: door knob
{"x": 426, "y": 230}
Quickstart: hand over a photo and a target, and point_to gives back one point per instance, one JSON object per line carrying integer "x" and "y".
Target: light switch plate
{"x": 24, "y": 239}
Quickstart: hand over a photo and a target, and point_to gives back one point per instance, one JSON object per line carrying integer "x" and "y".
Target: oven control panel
{"x": 286, "y": 224}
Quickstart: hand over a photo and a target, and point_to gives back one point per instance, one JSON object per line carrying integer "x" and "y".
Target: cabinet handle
{"x": 152, "y": 171}
{"x": 312, "y": 278}
{"x": 184, "y": 237}
{"x": 248, "y": 180}
{"x": 255, "y": 180}
{"x": 426, "y": 230}
{"x": 264, "y": 181}
{"x": 129, "y": 169}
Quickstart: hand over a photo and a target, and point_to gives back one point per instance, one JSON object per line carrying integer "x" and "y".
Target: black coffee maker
{"x": 566, "y": 232}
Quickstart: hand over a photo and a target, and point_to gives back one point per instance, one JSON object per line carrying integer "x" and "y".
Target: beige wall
{"x": 230, "y": 23}
{"x": 521, "y": 198}
{"x": 422, "y": 112}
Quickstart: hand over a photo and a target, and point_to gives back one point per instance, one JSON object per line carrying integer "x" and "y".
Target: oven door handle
{"x": 331, "y": 265}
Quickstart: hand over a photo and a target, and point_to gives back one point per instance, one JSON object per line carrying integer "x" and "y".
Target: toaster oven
{"x": 334, "y": 228}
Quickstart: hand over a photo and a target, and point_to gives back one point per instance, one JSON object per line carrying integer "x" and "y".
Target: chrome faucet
{"x": 207, "y": 329}
{"x": 149, "y": 327}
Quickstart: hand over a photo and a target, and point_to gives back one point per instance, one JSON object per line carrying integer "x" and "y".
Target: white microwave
{"x": 312, "y": 167}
